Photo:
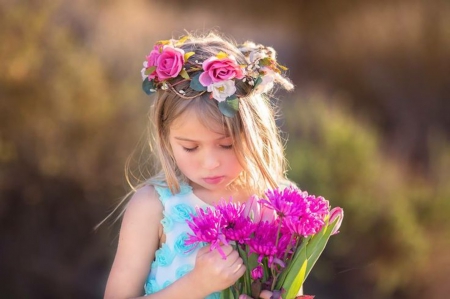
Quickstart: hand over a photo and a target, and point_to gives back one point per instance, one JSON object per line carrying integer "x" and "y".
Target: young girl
{"x": 215, "y": 138}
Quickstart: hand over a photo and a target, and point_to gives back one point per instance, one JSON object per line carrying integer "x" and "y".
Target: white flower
{"x": 143, "y": 70}
{"x": 222, "y": 90}
{"x": 256, "y": 55}
{"x": 267, "y": 82}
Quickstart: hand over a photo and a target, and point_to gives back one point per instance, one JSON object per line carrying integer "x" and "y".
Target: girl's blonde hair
{"x": 256, "y": 138}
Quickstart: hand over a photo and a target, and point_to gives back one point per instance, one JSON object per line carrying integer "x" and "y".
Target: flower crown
{"x": 216, "y": 75}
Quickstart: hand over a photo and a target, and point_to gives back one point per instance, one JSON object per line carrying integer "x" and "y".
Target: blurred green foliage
{"x": 71, "y": 113}
{"x": 393, "y": 217}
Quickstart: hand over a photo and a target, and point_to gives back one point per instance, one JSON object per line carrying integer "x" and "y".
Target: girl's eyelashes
{"x": 191, "y": 149}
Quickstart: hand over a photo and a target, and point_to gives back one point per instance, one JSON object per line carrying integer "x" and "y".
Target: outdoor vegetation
{"x": 367, "y": 127}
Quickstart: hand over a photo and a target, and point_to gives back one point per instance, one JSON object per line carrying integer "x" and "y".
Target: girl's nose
{"x": 211, "y": 161}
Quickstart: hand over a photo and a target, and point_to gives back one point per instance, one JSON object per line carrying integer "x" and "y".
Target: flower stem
{"x": 274, "y": 274}
{"x": 278, "y": 235}
{"x": 247, "y": 280}
{"x": 289, "y": 247}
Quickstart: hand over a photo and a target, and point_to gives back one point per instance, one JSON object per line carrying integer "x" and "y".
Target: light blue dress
{"x": 174, "y": 259}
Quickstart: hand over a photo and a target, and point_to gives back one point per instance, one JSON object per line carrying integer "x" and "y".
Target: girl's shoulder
{"x": 165, "y": 193}
{"x": 146, "y": 200}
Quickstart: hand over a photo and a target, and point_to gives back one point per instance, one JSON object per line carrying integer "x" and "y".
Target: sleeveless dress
{"x": 174, "y": 259}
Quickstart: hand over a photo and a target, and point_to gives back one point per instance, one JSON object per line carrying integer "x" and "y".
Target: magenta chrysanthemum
{"x": 311, "y": 219}
{"x": 285, "y": 202}
{"x": 235, "y": 225}
{"x": 206, "y": 226}
{"x": 270, "y": 230}
{"x": 263, "y": 242}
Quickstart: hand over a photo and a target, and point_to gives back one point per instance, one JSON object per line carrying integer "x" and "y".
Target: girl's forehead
{"x": 191, "y": 124}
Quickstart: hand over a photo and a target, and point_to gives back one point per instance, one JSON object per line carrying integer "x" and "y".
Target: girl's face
{"x": 204, "y": 156}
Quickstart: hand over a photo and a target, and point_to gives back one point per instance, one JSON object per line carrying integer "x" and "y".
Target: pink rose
{"x": 169, "y": 63}
{"x": 152, "y": 59}
{"x": 218, "y": 70}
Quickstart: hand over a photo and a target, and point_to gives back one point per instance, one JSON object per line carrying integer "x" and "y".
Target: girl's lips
{"x": 213, "y": 180}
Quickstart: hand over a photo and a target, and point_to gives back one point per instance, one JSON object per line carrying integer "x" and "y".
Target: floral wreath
{"x": 216, "y": 75}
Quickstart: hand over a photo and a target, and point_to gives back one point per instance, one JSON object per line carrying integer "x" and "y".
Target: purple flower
{"x": 318, "y": 206}
{"x": 286, "y": 244}
{"x": 286, "y": 202}
{"x": 305, "y": 225}
{"x": 312, "y": 218}
{"x": 257, "y": 273}
{"x": 235, "y": 225}
{"x": 264, "y": 241}
{"x": 206, "y": 226}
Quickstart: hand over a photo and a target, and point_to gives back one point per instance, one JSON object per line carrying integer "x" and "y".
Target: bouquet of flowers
{"x": 279, "y": 238}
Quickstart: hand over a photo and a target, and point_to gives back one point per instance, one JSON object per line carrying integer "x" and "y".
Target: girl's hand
{"x": 264, "y": 295}
{"x": 213, "y": 273}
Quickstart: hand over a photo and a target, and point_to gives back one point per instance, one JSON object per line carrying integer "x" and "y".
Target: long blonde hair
{"x": 256, "y": 138}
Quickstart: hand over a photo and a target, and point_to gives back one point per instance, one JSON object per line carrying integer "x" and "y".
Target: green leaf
{"x": 282, "y": 67}
{"x": 316, "y": 248}
{"x": 196, "y": 85}
{"x": 150, "y": 70}
{"x": 306, "y": 256}
{"x": 227, "y": 109}
{"x": 246, "y": 279}
{"x": 227, "y": 294}
{"x": 289, "y": 274}
{"x": 184, "y": 74}
{"x": 233, "y": 102}
{"x": 257, "y": 81}
{"x": 148, "y": 86}
{"x": 298, "y": 281}
{"x": 252, "y": 261}
{"x": 187, "y": 55}
{"x": 265, "y": 61}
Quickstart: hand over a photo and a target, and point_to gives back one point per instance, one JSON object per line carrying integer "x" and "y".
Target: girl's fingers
{"x": 227, "y": 249}
{"x": 204, "y": 249}
{"x": 237, "y": 264}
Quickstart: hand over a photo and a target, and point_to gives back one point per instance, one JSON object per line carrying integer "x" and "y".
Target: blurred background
{"x": 368, "y": 127}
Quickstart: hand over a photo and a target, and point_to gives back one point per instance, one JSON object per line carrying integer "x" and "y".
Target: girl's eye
{"x": 189, "y": 149}
{"x": 227, "y": 146}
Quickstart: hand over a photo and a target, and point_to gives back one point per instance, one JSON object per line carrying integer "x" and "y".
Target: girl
{"x": 215, "y": 138}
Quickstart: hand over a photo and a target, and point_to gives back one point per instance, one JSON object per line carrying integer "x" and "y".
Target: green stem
{"x": 278, "y": 234}
{"x": 274, "y": 275}
{"x": 247, "y": 280}
{"x": 289, "y": 248}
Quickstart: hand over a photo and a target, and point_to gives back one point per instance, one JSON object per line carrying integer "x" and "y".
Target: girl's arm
{"x": 138, "y": 242}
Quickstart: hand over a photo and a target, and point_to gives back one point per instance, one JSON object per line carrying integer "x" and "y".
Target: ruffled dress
{"x": 174, "y": 259}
